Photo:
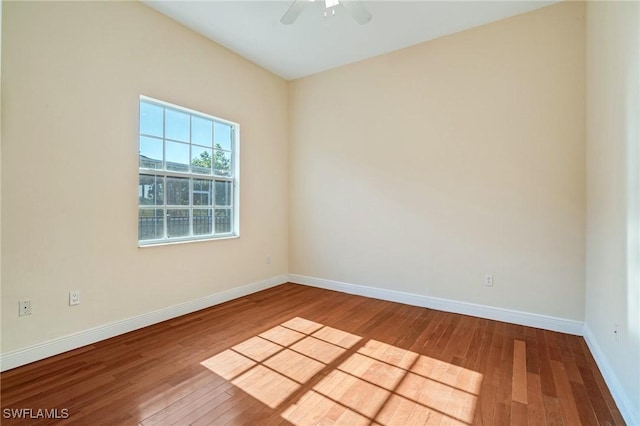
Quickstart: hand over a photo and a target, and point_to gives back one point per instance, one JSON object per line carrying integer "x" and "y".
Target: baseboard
{"x": 629, "y": 411}
{"x": 73, "y": 341}
{"x": 499, "y": 314}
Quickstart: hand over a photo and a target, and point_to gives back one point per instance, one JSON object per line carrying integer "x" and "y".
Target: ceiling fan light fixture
{"x": 328, "y": 4}
{"x": 330, "y": 7}
{"x": 355, "y": 8}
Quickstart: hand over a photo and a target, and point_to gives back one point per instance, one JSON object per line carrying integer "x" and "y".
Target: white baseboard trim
{"x": 630, "y": 412}
{"x": 76, "y": 340}
{"x": 499, "y": 314}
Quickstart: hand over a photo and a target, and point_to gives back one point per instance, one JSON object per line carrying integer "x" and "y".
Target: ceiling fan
{"x": 355, "y": 8}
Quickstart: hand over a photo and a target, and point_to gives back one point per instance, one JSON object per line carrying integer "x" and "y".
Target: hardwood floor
{"x": 304, "y": 356}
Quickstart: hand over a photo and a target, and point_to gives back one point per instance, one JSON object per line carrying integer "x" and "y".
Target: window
{"x": 188, "y": 175}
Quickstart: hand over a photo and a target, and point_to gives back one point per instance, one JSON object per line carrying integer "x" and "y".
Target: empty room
{"x": 320, "y": 212}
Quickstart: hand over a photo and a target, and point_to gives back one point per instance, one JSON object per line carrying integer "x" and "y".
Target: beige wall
{"x": 424, "y": 169}
{"x": 1, "y": 4}
{"x": 613, "y": 182}
{"x": 72, "y": 74}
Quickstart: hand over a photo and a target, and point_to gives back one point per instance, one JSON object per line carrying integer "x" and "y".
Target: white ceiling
{"x": 313, "y": 44}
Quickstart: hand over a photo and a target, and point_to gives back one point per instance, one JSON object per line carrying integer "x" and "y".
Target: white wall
{"x": 424, "y": 169}
{"x": 613, "y": 197}
{"x": 72, "y": 74}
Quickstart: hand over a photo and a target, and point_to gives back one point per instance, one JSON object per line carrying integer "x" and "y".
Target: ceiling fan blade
{"x": 294, "y": 11}
{"x": 357, "y": 10}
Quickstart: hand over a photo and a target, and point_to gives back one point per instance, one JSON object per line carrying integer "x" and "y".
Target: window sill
{"x": 192, "y": 240}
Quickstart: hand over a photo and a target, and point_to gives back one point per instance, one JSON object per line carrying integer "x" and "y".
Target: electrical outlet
{"x": 24, "y": 307}
{"x": 488, "y": 280}
{"x": 616, "y": 332}
{"x": 74, "y": 297}
{"x": 269, "y": 260}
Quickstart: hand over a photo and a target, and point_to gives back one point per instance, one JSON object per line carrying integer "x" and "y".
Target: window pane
{"x": 202, "y": 221}
{"x": 202, "y": 192}
{"x": 177, "y": 125}
{"x": 177, "y": 191}
{"x": 150, "y": 153}
{"x": 177, "y": 223}
{"x": 222, "y": 163}
{"x": 150, "y": 224}
{"x": 223, "y": 221}
{"x": 223, "y": 193}
{"x": 177, "y": 157}
{"x": 150, "y": 119}
{"x": 201, "y": 160}
{"x": 151, "y": 190}
{"x": 222, "y": 136}
{"x": 201, "y": 131}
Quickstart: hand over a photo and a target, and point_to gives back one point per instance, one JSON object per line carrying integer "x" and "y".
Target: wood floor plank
{"x": 519, "y": 377}
{"x": 485, "y": 410}
{"x": 596, "y": 400}
{"x": 505, "y": 370}
{"x": 533, "y": 365}
{"x": 186, "y": 388}
{"x": 305, "y": 356}
{"x": 479, "y": 344}
{"x": 518, "y": 414}
{"x": 585, "y": 410}
{"x": 568, "y": 407}
{"x": 178, "y": 409}
{"x": 221, "y": 409}
{"x": 602, "y": 386}
{"x": 552, "y": 411}
{"x": 535, "y": 402}
{"x": 568, "y": 359}
{"x": 546, "y": 374}
{"x": 460, "y": 340}
{"x": 503, "y": 414}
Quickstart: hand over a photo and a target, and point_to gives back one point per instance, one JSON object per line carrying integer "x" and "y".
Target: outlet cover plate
{"x": 24, "y": 307}
{"x": 74, "y": 297}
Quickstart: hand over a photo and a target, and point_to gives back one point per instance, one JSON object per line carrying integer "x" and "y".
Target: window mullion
{"x": 191, "y": 207}
{"x": 165, "y": 231}
{"x": 213, "y": 209}
{"x": 164, "y": 141}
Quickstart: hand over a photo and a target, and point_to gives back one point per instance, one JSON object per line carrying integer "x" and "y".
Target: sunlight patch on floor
{"x": 266, "y": 385}
{"x": 377, "y": 383}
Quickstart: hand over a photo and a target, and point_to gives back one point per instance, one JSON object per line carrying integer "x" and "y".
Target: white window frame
{"x": 234, "y": 178}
